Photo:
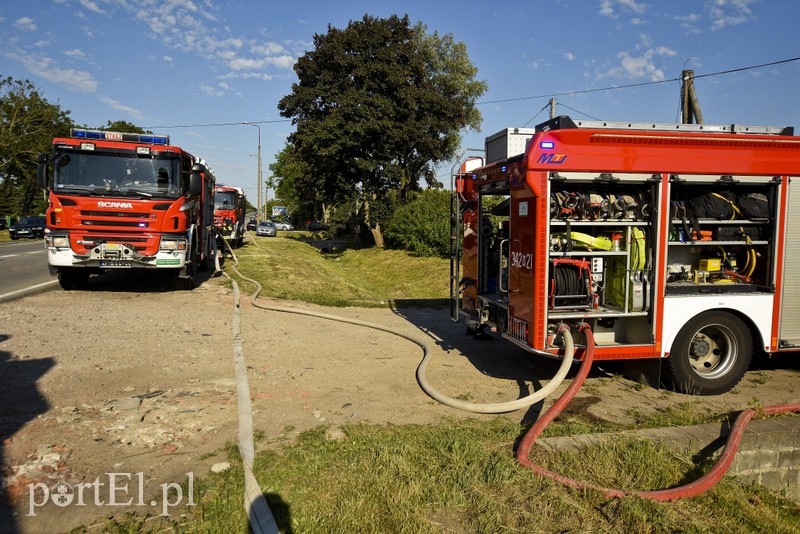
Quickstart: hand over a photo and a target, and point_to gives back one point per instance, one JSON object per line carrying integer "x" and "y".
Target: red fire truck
{"x": 229, "y": 213}
{"x": 126, "y": 201}
{"x": 673, "y": 242}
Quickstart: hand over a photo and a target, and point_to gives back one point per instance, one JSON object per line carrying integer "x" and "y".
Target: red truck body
{"x": 589, "y": 222}
{"x": 120, "y": 201}
{"x": 229, "y": 213}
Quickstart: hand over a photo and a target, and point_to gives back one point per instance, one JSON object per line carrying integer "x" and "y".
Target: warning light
{"x": 547, "y": 145}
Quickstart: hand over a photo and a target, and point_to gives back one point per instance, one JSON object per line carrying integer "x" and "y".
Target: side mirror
{"x": 41, "y": 171}
{"x": 196, "y": 179}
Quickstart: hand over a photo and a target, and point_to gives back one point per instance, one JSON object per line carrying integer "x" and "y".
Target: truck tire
{"x": 181, "y": 283}
{"x": 70, "y": 279}
{"x": 710, "y": 354}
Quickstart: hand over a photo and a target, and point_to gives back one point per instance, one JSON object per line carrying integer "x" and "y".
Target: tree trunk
{"x": 377, "y": 236}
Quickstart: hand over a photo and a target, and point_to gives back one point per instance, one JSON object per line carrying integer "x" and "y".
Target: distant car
{"x": 251, "y": 224}
{"x": 266, "y": 228}
{"x": 316, "y": 226}
{"x": 32, "y": 227}
{"x": 283, "y": 225}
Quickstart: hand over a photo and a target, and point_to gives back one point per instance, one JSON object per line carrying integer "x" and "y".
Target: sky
{"x": 197, "y": 69}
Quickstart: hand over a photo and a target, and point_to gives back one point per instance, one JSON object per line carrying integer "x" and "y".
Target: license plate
{"x": 115, "y": 263}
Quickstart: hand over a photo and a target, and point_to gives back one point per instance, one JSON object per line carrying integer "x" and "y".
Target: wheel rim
{"x": 713, "y": 351}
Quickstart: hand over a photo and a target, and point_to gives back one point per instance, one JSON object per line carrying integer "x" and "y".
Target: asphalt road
{"x": 23, "y": 265}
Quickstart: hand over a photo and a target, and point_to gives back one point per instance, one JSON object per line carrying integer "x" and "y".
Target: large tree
{"x": 296, "y": 185}
{"x": 28, "y": 124}
{"x": 379, "y": 104}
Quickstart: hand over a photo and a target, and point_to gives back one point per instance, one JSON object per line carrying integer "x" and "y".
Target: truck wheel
{"x": 710, "y": 354}
{"x": 71, "y": 279}
{"x": 181, "y": 283}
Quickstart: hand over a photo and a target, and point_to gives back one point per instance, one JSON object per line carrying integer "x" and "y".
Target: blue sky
{"x": 199, "y": 62}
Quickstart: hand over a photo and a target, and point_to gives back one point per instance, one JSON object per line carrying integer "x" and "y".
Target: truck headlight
{"x": 57, "y": 241}
{"x": 172, "y": 244}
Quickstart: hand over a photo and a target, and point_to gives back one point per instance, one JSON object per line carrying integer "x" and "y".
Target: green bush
{"x": 422, "y": 225}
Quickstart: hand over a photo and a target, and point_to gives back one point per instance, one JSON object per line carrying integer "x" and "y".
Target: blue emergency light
{"x": 547, "y": 145}
{"x": 118, "y": 136}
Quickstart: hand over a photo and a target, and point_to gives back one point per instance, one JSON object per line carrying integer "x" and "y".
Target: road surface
{"x": 23, "y": 264}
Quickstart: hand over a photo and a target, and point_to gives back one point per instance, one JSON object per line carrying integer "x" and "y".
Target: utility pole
{"x": 258, "y": 179}
{"x": 690, "y": 106}
{"x": 552, "y": 108}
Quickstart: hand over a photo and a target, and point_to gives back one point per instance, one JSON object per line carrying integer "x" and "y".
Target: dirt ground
{"x": 140, "y": 382}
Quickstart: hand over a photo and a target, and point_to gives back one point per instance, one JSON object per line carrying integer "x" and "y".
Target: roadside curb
{"x": 32, "y": 290}
{"x": 768, "y": 454}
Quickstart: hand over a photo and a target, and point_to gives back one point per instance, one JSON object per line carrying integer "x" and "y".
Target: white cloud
{"x": 45, "y": 67}
{"x": 267, "y": 49}
{"x": 207, "y": 90}
{"x": 641, "y": 67}
{"x": 91, "y": 6}
{"x": 607, "y": 7}
{"x": 690, "y": 23}
{"x": 569, "y": 56}
{"x": 167, "y": 59}
{"x": 728, "y": 12}
{"x": 121, "y": 107}
{"x": 75, "y": 52}
{"x": 25, "y": 24}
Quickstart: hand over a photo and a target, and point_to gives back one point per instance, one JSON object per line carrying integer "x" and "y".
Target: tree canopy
{"x": 28, "y": 124}
{"x": 378, "y": 105}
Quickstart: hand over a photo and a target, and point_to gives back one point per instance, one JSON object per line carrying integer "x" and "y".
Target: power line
{"x": 631, "y": 85}
{"x": 516, "y": 99}
{"x": 239, "y": 123}
{"x": 563, "y": 105}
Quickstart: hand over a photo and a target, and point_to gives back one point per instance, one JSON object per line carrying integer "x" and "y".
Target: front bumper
{"x": 116, "y": 256}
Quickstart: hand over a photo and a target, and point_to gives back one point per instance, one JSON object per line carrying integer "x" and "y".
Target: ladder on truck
{"x": 456, "y": 231}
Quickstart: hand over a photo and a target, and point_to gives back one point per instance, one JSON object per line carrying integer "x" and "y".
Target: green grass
{"x": 4, "y": 236}
{"x": 291, "y": 269}
{"x": 460, "y": 476}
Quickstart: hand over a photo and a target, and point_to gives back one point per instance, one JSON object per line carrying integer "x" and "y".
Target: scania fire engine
{"x": 229, "y": 213}
{"x": 673, "y": 242}
{"x": 125, "y": 201}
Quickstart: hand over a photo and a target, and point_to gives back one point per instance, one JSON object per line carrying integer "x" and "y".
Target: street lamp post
{"x": 266, "y": 190}
{"x": 258, "y": 176}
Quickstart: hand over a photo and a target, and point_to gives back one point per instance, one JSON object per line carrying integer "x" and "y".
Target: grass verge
{"x": 460, "y": 476}
{"x": 291, "y": 269}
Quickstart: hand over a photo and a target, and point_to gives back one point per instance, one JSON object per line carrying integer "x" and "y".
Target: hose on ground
{"x": 692, "y": 489}
{"x": 259, "y": 514}
{"x": 490, "y": 408}
{"x": 502, "y": 407}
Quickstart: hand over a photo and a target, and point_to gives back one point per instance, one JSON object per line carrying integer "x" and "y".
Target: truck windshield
{"x": 110, "y": 174}
{"x": 224, "y": 200}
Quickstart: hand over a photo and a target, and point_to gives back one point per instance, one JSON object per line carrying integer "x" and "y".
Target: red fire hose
{"x": 691, "y": 489}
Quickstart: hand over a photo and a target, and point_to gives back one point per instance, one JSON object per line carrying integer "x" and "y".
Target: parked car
{"x": 283, "y": 225}
{"x": 251, "y": 224}
{"x": 266, "y": 228}
{"x": 315, "y": 226}
{"x": 32, "y": 227}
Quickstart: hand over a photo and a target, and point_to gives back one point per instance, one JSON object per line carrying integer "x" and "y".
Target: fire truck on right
{"x": 674, "y": 243}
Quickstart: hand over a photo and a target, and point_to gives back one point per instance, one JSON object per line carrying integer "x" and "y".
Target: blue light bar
{"x": 149, "y": 139}
{"x": 547, "y": 145}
